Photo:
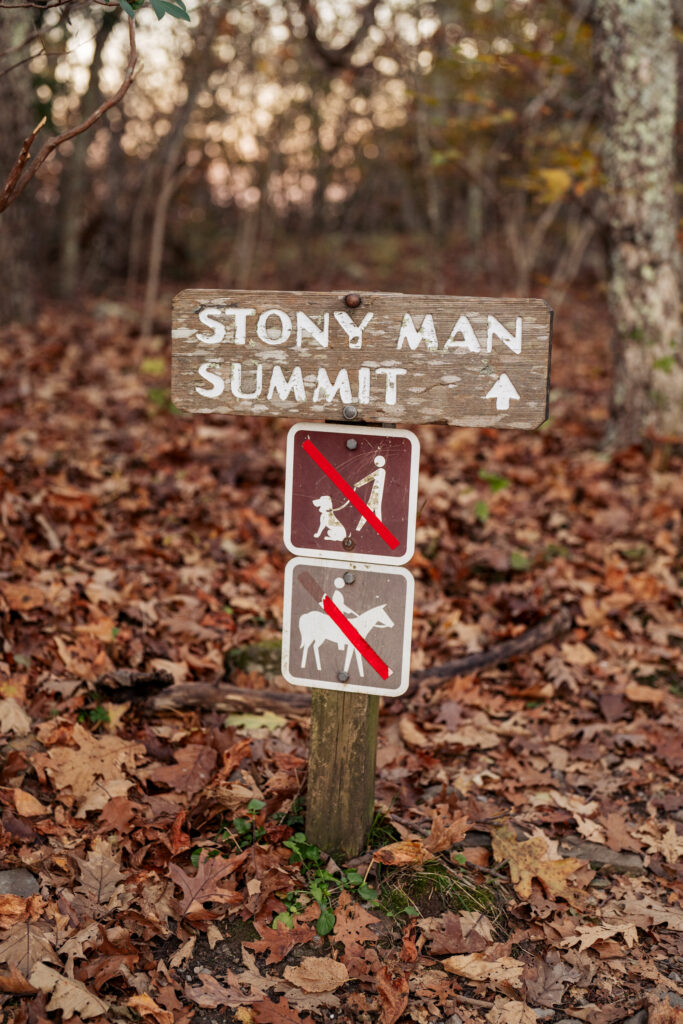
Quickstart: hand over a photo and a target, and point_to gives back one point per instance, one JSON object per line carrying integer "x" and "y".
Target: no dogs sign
{"x": 346, "y": 626}
{"x": 351, "y": 492}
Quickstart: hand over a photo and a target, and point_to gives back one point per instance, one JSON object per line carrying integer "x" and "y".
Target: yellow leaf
{"x": 555, "y": 183}
{"x": 528, "y": 860}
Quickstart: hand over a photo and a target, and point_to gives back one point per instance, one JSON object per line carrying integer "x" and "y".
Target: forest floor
{"x": 525, "y": 861}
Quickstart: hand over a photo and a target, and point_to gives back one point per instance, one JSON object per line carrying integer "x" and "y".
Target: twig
{"x": 19, "y": 177}
{"x": 468, "y": 1001}
{"x": 543, "y": 633}
{"x": 224, "y": 697}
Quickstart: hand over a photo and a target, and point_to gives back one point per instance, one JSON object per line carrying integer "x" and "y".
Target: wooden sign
{"x": 374, "y": 357}
{"x": 346, "y": 626}
{"x": 351, "y": 492}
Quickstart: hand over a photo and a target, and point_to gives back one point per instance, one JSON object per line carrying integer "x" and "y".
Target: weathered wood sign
{"x": 351, "y": 492}
{"x": 347, "y": 626}
{"x": 374, "y": 357}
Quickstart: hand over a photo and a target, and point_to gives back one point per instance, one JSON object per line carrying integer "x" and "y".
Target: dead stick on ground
{"x": 236, "y": 698}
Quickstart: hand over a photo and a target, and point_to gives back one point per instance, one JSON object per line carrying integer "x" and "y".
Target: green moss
{"x": 434, "y": 888}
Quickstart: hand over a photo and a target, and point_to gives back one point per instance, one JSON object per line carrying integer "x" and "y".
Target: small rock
{"x": 454, "y": 1018}
{"x": 544, "y": 1014}
{"x": 637, "y": 1018}
{"x": 672, "y": 998}
{"x": 18, "y": 882}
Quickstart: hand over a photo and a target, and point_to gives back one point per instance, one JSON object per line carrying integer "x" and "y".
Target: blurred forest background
{"x": 443, "y": 146}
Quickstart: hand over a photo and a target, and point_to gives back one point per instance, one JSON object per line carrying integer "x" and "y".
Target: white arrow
{"x": 503, "y": 390}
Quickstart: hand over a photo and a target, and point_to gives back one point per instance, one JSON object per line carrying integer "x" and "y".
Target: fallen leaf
{"x": 407, "y": 851}
{"x": 504, "y": 971}
{"x": 317, "y": 974}
{"x": 393, "y": 995}
{"x": 447, "y": 830}
{"x": 191, "y": 773}
{"x": 203, "y": 887}
{"x": 279, "y": 941}
{"x": 183, "y": 953}
{"x": 144, "y": 1005}
{"x": 643, "y": 694}
{"x": 509, "y": 1011}
{"x": 527, "y": 860}
{"x": 26, "y": 804}
{"x": 353, "y": 925}
{"x": 268, "y": 1012}
{"x": 68, "y": 995}
{"x": 211, "y": 994}
{"x": 457, "y": 933}
{"x": 100, "y": 873}
{"x": 75, "y": 769}
{"x": 252, "y": 722}
{"x": 27, "y": 944}
{"x": 13, "y": 718}
{"x": 15, "y": 984}
{"x": 587, "y": 935}
{"x": 22, "y": 597}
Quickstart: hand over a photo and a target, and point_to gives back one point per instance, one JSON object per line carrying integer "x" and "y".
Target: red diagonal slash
{"x": 349, "y": 493}
{"x": 359, "y": 642}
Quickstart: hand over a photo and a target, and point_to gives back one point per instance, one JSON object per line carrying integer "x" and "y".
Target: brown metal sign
{"x": 351, "y": 492}
{"x": 375, "y": 357}
{"x": 346, "y": 626}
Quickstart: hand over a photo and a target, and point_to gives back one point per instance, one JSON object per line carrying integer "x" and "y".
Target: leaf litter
{"x": 529, "y": 860}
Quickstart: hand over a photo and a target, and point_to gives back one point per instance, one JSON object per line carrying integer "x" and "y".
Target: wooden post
{"x": 341, "y": 771}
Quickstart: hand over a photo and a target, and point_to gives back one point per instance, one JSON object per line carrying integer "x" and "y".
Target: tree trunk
{"x": 73, "y": 177}
{"x": 636, "y": 59}
{"x": 17, "y": 119}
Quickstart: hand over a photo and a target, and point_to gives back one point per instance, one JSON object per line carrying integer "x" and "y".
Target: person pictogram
{"x": 376, "y": 478}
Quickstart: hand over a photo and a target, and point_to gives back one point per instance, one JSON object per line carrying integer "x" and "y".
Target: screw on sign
{"x": 351, "y": 493}
{"x": 347, "y": 627}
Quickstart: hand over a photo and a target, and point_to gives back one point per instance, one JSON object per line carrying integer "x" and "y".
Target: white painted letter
{"x": 206, "y": 317}
{"x": 513, "y": 341}
{"x": 326, "y": 390}
{"x": 285, "y": 387}
{"x": 240, "y": 316}
{"x": 236, "y": 381}
{"x": 469, "y": 339}
{"x": 321, "y": 334}
{"x": 354, "y": 332}
{"x": 215, "y": 380}
{"x": 410, "y": 333}
{"x": 392, "y": 373}
{"x": 266, "y": 333}
{"x": 364, "y": 385}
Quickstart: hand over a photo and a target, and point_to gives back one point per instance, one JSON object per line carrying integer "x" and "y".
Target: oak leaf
{"x": 211, "y": 994}
{"x": 76, "y": 769}
{"x": 528, "y": 860}
{"x": 68, "y": 995}
{"x": 15, "y": 983}
{"x": 393, "y": 995}
{"x": 145, "y": 1006}
{"x": 457, "y": 933}
{"x": 279, "y": 941}
{"x": 203, "y": 886}
{"x": 317, "y": 974}
{"x": 353, "y": 925}
{"x": 509, "y": 1011}
{"x": 191, "y": 773}
{"x": 268, "y": 1012}
{"x": 447, "y": 830}
{"x": 504, "y": 971}
{"x": 27, "y": 944}
{"x": 100, "y": 874}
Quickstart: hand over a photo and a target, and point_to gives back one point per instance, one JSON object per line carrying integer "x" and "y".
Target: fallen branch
{"x": 224, "y": 697}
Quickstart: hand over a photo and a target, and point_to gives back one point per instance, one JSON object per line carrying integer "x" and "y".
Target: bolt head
{"x": 347, "y": 543}
{"x": 343, "y": 677}
{"x": 352, "y": 444}
{"x": 353, "y": 300}
{"x": 349, "y": 412}
{"x": 349, "y": 577}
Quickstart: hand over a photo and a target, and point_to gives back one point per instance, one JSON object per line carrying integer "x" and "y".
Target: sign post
{"x": 351, "y": 490}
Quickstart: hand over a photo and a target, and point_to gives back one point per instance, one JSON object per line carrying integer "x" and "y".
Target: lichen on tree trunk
{"x": 636, "y": 59}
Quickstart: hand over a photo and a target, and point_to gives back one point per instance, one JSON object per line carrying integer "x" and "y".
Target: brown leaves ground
{"x": 138, "y": 543}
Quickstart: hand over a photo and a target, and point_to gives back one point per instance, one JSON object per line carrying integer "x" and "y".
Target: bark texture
{"x": 636, "y": 59}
